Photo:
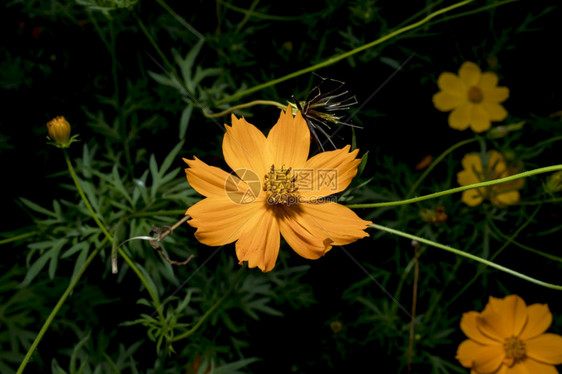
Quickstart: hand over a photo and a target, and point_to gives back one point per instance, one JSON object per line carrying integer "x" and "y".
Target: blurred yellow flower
{"x": 472, "y": 97}
{"x": 275, "y": 190}
{"x": 495, "y": 168}
{"x": 508, "y": 337}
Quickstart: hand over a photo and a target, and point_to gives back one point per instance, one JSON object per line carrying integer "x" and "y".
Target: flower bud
{"x": 554, "y": 183}
{"x": 59, "y": 132}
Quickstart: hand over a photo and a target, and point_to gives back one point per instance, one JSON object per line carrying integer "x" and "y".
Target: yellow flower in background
{"x": 472, "y": 97}
{"x": 493, "y": 166}
{"x": 275, "y": 190}
{"x": 508, "y": 337}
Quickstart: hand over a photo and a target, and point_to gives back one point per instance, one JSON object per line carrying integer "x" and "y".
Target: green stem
{"x": 108, "y": 236}
{"x": 17, "y": 237}
{"x": 333, "y": 60}
{"x": 508, "y": 240}
{"x": 247, "y": 16}
{"x": 529, "y": 173}
{"x": 57, "y": 307}
{"x": 468, "y": 255}
{"x": 437, "y": 161}
{"x": 180, "y": 19}
{"x": 242, "y": 106}
{"x": 211, "y": 309}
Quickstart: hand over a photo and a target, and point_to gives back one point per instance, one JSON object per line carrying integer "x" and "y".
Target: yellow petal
{"x": 530, "y": 366}
{"x": 472, "y": 162}
{"x": 333, "y": 221}
{"x": 505, "y": 198}
{"x": 470, "y": 74}
{"x": 472, "y": 197}
{"x": 479, "y": 119}
{"x": 495, "y": 95}
{"x": 259, "y": 240}
{"x": 327, "y": 173}
{"x": 445, "y": 101}
{"x": 545, "y": 348}
{"x": 460, "y": 117}
{"x": 466, "y": 177}
{"x": 488, "y": 80}
{"x": 469, "y": 326}
{"x": 205, "y": 179}
{"x": 219, "y": 220}
{"x": 299, "y": 238}
{"x": 496, "y": 112}
{"x": 539, "y": 319}
{"x": 243, "y": 147}
{"x": 481, "y": 358}
{"x": 289, "y": 140}
{"x": 450, "y": 83}
{"x": 512, "y": 311}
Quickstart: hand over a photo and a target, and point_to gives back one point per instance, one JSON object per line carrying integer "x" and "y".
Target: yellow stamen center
{"x": 514, "y": 349}
{"x": 475, "y": 94}
{"x": 280, "y": 185}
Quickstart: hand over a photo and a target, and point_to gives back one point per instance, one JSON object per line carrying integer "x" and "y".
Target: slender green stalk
{"x": 247, "y": 16}
{"x": 529, "y": 173}
{"x": 268, "y": 16}
{"x": 108, "y": 236}
{"x": 211, "y": 309}
{"x": 333, "y": 60}
{"x": 242, "y": 106}
{"x": 17, "y": 237}
{"x": 437, "y": 161}
{"x": 180, "y": 19}
{"x": 469, "y": 256}
{"x": 57, "y": 307}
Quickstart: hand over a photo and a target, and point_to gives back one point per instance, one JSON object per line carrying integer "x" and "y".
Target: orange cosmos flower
{"x": 472, "y": 97}
{"x": 275, "y": 190}
{"x": 509, "y": 337}
{"x": 495, "y": 168}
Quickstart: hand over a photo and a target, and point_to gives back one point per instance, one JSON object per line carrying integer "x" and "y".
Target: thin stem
{"x": 242, "y": 106}
{"x": 108, "y": 236}
{"x": 211, "y": 309}
{"x": 469, "y": 256}
{"x": 333, "y": 60}
{"x": 525, "y": 174}
{"x": 180, "y": 19}
{"x": 57, "y": 307}
{"x": 437, "y": 161}
{"x": 18, "y": 237}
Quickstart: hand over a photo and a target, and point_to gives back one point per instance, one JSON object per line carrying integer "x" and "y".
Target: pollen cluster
{"x": 280, "y": 185}
{"x": 514, "y": 349}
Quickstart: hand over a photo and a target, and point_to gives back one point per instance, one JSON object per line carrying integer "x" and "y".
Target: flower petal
{"x": 495, "y": 95}
{"x": 512, "y": 312}
{"x": 450, "y": 83}
{"x": 327, "y": 173}
{"x": 539, "y": 319}
{"x": 205, "y": 179}
{"x": 445, "y": 101}
{"x": 466, "y": 177}
{"x": 460, "y": 117}
{"x": 469, "y": 325}
{"x": 479, "y": 119}
{"x": 259, "y": 240}
{"x": 289, "y": 140}
{"x": 545, "y": 348}
{"x": 333, "y": 221}
{"x": 244, "y": 148}
{"x": 472, "y": 162}
{"x": 488, "y": 80}
{"x": 219, "y": 220}
{"x": 470, "y": 73}
{"x": 472, "y": 197}
{"x": 481, "y": 358}
{"x": 495, "y": 112}
{"x": 530, "y": 366}
{"x": 505, "y": 198}
{"x": 304, "y": 242}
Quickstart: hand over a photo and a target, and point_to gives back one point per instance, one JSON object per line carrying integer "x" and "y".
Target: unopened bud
{"x": 501, "y": 131}
{"x": 59, "y": 132}
{"x": 554, "y": 183}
